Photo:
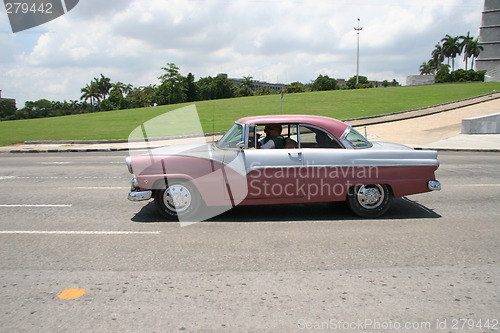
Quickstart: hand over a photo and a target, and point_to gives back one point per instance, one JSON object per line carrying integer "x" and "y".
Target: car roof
{"x": 334, "y": 126}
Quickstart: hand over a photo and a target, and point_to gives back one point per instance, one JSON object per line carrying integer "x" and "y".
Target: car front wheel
{"x": 369, "y": 200}
{"x": 178, "y": 200}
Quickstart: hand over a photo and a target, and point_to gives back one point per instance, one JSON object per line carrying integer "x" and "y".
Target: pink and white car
{"x": 323, "y": 159}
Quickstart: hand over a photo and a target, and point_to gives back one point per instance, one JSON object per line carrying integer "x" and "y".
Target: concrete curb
{"x": 93, "y": 142}
{"x": 409, "y": 114}
{"x": 463, "y": 150}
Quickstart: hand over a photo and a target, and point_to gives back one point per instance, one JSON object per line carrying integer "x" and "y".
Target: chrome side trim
{"x": 335, "y": 166}
{"x": 434, "y": 185}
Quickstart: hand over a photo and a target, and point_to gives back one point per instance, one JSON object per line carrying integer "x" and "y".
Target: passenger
{"x": 323, "y": 141}
{"x": 273, "y": 138}
{"x": 290, "y": 143}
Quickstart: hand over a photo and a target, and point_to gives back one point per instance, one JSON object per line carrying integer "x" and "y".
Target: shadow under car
{"x": 401, "y": 208}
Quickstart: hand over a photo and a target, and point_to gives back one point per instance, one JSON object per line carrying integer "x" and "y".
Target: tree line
{"x": 103, "y": 95}
{"x": 451, "y": 48}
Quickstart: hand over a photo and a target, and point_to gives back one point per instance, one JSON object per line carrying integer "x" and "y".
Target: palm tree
{"x": 104, "y": 85}
{"x": 451, "y": 48}
{"x": 127, "y": 88}
{"x": 425, "y": 68}
{"x": 73, "y": 106}
{"x": 437, "y": 57}
{"x": 118, "y": 86}
{"x": 474, "y": 50}
{"x": 247, "y": 82}
{"x": 465, "y": 46}
{"x": 91, "y": 91}
{"x": 433, "y": 67}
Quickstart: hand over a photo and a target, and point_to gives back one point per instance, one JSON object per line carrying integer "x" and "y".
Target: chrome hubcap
{"x": 370, "y": 196}
{"x": 177, "y": 198}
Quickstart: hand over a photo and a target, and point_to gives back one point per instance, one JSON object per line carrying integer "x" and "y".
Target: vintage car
{"x": 319, "y": 159}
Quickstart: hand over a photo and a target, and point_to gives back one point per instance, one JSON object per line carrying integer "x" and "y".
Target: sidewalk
{"x": 440, "y": 130}
{"x": 435, "y": 128}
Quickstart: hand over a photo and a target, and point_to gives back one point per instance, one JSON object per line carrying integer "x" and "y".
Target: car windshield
{"x": 232, "y": 137}
{"x": 357, "y": 140}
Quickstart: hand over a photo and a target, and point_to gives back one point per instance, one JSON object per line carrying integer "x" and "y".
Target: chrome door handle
{"x": 296, "y": 155}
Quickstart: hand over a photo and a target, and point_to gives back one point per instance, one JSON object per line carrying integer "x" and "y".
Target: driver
{"x": 273, "y": 138}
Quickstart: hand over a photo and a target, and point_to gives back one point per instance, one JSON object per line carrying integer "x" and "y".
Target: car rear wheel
{"x": 178, "y": 200}
{"x": 369, "y": 200}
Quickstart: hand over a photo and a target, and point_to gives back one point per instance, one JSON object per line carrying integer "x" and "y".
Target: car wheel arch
{"x": 196, "y": 201}
{"x": 370, "y": 200}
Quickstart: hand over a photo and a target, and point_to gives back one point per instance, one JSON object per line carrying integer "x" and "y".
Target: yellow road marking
{"x": 71, "y": 293}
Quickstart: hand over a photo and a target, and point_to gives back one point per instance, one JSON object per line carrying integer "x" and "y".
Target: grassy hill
{"x": 218, "y": 115}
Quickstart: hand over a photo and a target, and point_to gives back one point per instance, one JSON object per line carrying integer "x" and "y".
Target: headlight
{"x": 134, "y": 183}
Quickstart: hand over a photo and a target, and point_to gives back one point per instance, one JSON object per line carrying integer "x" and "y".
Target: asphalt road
{"x": 432, "y": 264}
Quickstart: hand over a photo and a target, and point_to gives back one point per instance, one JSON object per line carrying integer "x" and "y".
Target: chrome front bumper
{"x": 434, "y": 185}
{"x": 140, "y": 195}
{"x": 137, "y": 195}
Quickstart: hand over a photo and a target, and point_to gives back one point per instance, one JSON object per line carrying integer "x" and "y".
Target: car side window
{"x": 290, "y": 136}
{"x": 312, "y": 137}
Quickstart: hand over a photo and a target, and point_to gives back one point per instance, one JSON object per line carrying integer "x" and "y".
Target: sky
{"x": 271, "y": 40}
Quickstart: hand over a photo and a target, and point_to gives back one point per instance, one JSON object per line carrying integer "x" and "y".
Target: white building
{"x": 276, "y": 87}
{"x": 489, "y": 39}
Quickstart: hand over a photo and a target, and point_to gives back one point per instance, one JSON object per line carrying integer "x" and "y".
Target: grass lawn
{"x": 218, "y": 115}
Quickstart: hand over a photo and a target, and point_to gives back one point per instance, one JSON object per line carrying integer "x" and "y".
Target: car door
{"x": 274, "y": 173}
{"x": 268, "y": 173}
{"x": 326, "y": 163}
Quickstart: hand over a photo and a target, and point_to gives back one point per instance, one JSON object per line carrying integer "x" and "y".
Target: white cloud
{"x": 272, "y": 40}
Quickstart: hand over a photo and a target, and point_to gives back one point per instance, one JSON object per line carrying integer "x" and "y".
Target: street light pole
{"x": 358, "y": 29}
{"x": 281, "y": 100}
